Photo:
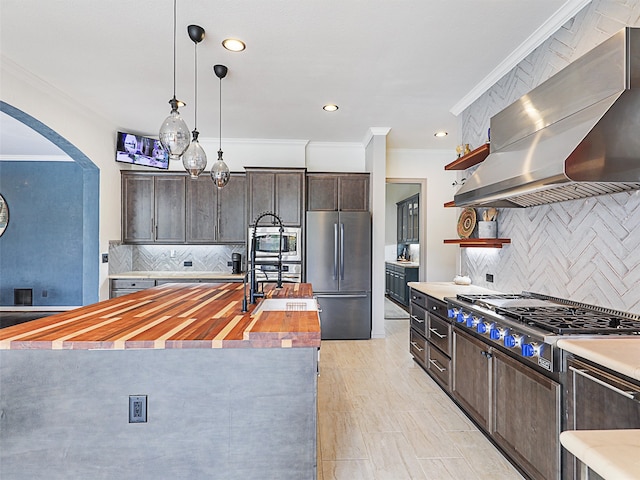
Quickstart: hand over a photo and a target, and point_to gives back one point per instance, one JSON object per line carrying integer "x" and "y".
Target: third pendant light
{"x": 220, "y": 171}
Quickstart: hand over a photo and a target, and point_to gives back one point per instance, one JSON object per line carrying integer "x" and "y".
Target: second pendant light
{"x": 194, "y": 158}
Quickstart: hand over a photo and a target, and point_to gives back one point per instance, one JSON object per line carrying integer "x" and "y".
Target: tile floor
{"x": 380, "y": 416}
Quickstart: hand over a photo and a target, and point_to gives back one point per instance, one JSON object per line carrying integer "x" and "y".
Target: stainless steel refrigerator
{"x": 338, "y": 257}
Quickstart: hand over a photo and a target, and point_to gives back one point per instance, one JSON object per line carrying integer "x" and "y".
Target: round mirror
{"x": 4, "y": 214}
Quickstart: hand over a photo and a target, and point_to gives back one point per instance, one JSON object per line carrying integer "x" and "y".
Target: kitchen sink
{"x": 286, "y": 305}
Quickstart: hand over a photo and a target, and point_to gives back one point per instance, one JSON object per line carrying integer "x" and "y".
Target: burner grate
{"x": 557, "y": 315}
{"x": 565, "y": 319}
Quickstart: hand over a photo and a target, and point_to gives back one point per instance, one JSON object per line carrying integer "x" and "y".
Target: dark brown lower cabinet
{"x": 526, "y": 416}
{"x": 471, "y": 376}
{"x": 417, "y": 347}
{"x": 516, "y": 405}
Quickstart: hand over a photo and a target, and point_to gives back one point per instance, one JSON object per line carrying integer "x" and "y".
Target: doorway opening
{"x": 405, "y": 255}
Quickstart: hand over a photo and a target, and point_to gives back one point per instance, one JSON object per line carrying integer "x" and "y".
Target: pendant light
{"x": 174, "y": 133}
{"x": 194, "y": 159}
{"x": 220, "y": 171}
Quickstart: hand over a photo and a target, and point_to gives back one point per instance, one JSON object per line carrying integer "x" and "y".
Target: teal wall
{"x": 52, "y": 240}
{"x": 43, "y": 243}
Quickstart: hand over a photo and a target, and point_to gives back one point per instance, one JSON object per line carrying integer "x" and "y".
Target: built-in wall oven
{"x": 508, "y": 371}
{"x": 268, "y": 240}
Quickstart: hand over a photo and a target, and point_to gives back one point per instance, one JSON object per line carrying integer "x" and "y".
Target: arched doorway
{"x": 52, "y": 236}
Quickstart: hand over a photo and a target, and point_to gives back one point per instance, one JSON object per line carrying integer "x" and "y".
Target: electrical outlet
{"x": 188, "y": 263}
{"x": 44, "y": 293}
{"x": 105, "y": 258}
{"x": 137, "y": 409}
{"x": 229, "y": 264}
{"x": 489, "y": 277}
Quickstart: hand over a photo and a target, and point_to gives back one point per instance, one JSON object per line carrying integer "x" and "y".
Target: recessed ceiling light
{"x": 233, "y": 44}
{"x": 330, "y": 107}
{"x": 440, "y": 134}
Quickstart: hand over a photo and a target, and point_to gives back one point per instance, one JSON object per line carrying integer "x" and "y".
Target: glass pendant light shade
{"x": 194, "y": 159}
{"x": 174, "y": 134}
{"x": 220, "y": 172}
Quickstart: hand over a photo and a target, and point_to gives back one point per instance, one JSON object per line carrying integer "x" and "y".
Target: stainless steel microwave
{"x": 267, "y": 239}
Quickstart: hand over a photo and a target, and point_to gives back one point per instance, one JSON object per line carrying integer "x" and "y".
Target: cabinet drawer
{"x": 439, "y": 333}
{"x": 419, "y": 298}
{"x": 417, "y": 346}
{"x": 437, "y": 307}
{"x": 122, "y": 292}
{"x": 439, "y": 366}
{"x": 132, "y": 283}
{"x": 418, "y": 318}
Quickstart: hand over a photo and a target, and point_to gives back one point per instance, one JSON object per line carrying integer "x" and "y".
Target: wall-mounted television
{"x": 139, "y": 150}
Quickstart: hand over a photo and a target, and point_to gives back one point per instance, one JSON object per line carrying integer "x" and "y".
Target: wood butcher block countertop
{"x": 174, "y": 315}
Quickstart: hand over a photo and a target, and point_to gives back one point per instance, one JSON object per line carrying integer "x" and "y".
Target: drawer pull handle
{"x": 417, "y": 347}
{"x": 435, "y": 332}
{"x": 417, "y": 319}
{"x": 438, "y": 367}
{"x": 629, "y": 394}
{"x": 434, "y": 307}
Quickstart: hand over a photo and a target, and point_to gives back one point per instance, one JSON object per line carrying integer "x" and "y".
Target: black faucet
{"x": 251, "y": 271}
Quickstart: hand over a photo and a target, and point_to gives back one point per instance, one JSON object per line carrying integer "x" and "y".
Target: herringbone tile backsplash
{"x": 171, "y": 258}
{"x": 586, "y": 250}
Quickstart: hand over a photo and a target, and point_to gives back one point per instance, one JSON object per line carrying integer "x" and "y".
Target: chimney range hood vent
{"x": 574, "y": 136}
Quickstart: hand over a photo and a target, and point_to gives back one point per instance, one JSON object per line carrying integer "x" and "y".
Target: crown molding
{"x": 559, "y": 18}
{"x": 384, "y": 131}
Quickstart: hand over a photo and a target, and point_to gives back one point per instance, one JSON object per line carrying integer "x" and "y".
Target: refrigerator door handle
{"x": 335, "y": 251}
{"x": 320, "y": 295}
{"x": 342, "y": 251}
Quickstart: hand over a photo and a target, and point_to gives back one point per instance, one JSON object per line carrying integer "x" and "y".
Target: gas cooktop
{"x": 556, "y": 315}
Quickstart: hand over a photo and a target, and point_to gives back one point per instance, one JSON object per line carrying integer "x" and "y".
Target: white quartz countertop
{"x": 178, "y": 275}
{"x": 612, "y": 454}
{"x": 441, "y": 290}
{"x": 404, "y": 264}
{"x": 620, "y": 354}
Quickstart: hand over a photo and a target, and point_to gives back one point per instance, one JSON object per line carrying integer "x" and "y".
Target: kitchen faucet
{"x": 251, "y": 271}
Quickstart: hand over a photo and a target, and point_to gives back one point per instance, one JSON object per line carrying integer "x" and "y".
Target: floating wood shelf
{"x": 480, "y": 242}
{"x": 470, "y": 159}
{"x": 450, "y": 204}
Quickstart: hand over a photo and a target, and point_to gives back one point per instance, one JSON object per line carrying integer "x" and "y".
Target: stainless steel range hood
{"x": 576, "y": 135}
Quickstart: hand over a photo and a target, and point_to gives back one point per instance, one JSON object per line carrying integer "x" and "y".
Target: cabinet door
{"x": 416, "y": 219}
{"x": 527, "y": 416}
{"x": 403, "y": 289}
{"x": 137, "y": 209}
{"x": 409, "y": 221}
{"x": 400, "y": 223}
{"x": 471, "y": 363}
{"x": 232, "y": 222}
{"x": 403, "y": 222}
{"x": 322, "y": 191}
{"x": 260, "y": 192}
{"x": 288, "y": 198}
{"x": 354, "y": 193}
{"x": 170, "y": 209}
{"x": 201, "y": 210}
{"x": 388, "y": 281}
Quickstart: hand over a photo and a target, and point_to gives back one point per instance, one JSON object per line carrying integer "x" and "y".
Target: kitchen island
{"x": 227, "y": 394}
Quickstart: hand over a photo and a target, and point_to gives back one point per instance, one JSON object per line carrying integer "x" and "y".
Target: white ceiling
{"x": 403, "y": 64}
